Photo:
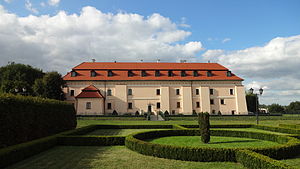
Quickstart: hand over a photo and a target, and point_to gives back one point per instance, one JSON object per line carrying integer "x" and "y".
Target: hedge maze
{"x": 266, "y": 157}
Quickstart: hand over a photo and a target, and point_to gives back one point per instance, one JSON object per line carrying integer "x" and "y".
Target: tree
{"x": 18, "y": 76}
{"x": 293, "y": 107}
{"x": 252, "y": 102}
{"x": 39, "y": 88}
{"x": 276, "y": 108}
{"x": 204, "y": 126}
{"x": 53, "y": 84}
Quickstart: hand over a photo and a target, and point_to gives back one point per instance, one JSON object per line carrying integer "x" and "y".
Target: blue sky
{"x": 258, "y": 39}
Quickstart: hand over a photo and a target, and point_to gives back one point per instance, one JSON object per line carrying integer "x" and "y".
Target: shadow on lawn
{"x": 105, "y": 132}
{"x": 237, "y": 141}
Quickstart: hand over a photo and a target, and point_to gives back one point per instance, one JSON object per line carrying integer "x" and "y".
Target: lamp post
{"x": 260, "y": 92}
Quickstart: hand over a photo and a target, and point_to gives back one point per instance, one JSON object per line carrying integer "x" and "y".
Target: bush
{"x": 114, "y": 113}
{"x": 24, "y": 118}
{"x": 137, "y": 113}
{"x": 203, "y": 121}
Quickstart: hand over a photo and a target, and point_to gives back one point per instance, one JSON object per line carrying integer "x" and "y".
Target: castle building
{"x": 99, "y": 88}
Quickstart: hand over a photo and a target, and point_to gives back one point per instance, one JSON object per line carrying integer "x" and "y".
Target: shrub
{"x": 203, "y": 121}
{"x": 219, "y": 113}
{"x": 24, "y": 118}
{"x": 194, "y": 112}
{"x": 137, "y": 113}
{"x": 114, "y": 113}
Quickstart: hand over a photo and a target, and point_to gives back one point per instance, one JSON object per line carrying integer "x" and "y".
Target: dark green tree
{"x": 293, "y": 107}
{"x": 204, "y": 126}
{"x": 18, "y": 77}
{"x": 53, "y": 84}
{"x": 39, "y": 88}
{"x": 276, "y": 108}
{"x": 252, "y": 102}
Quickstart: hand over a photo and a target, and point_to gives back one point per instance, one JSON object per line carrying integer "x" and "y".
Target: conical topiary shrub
{"x": 203, "y": 120}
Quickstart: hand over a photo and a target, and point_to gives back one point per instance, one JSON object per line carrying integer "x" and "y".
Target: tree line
{"x": 24, "y": 79}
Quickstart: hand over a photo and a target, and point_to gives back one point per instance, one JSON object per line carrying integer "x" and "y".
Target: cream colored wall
{"x": 96, "y": 106}
{"x": 144, "y": 93}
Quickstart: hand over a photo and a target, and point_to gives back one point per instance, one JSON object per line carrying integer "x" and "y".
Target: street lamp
{"x": 261, "y": 90}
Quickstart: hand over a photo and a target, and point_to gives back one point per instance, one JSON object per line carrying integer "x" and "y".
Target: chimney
{"x": 158, "y": 60}
{"x": 93, "y": 60}
{"x": 182, "y": 61}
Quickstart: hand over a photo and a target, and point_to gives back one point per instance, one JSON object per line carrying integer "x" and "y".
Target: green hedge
{"x": 134, "y": 126}
{"x": 222, "y": 126}
{"x": 292, "y": 126}
{"x": 24, "y": 118}
{"x": 91, "y": 140}
{"x": 290, "y": 148}
{"x": 254, "y": 160}
{"x": 277, "y": 129}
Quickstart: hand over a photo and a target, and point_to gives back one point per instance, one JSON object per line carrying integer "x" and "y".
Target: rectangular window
{"x": 177, "y": 91}
{"x": 222, "y": 101}
{"x": 231, "y": 91}
{"x": 144, "y": 73}
{"x": 197, "y": 91}
{"x": 157, "y": 91}
{"x": 88, "y": 105}
{"x": 157, "y": 73}
{"x": 129, "y": 105}
{"x": 72, "y": 93}
{"x": 109, "y": 73}
{"x": 178, "y": 104}
{"x": 197, "y": 104}
{"x": 195, "y": 73}
{"x": 212, "y": 101}
{"x": 209, "y": 73}
{"x": 108, "y": 106}
{"x": 211, "y": 91}
{"x": 183, "y": 74}
{"x": 130, "y": 73}
{"x": 170, "y": 73}
{"x": 158, "y": 105}
{"x": 109, "y": 92}
{"x": 129, "y": 92}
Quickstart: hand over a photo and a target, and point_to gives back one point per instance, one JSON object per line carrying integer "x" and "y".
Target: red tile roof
{"x": 120, "y": 71}
{"x": 90, "y": 92}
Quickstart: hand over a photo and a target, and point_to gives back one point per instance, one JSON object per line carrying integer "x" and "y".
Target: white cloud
{"x": 43, "y": 4}
{"x": 8, "y": 1}
{"x": 29, "y": 7}
{"x": 62, "y": 41}
{"x": 53, "y": 2}
{"x": 226, "y": 40}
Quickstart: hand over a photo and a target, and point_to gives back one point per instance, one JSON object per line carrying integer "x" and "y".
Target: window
{"x": 232, "y": 112}
{"x": 231, "y": 91}
{"x": 173, "y": 112}
{"x": 108, "y": 106}
{"x": 212, "y": 101}
{"x": 93, "y": 73}
{"x": 229, "y": 74}
{"x": 157, "y": 73}
{"x": 178, "y": 104}
{"x": 129, "y": 91}
{"x": 144, "y": 73}
{"x": 157, "y": 91}
{"x": 183, "y": 74}
{"x": 109, "y": 92}
{"x": 130, "y": 73}
{"x": 195, "y": 73}
{"x": 129, "y": 105}
{"x": 72, "y": 93}
{"x": 109, "y": 73}
{"x": 197, "y": 104}
{"x": 197, "y": 91}
{"x": 158, "y": 105}
{"x": 88, "y": 105}
{"x": 170, "y": 73}
{"x": 222, "y": 101}
{"x": 211, "y": 91}
{"x": 73, "y": 74}
{"x": 177, "y": 91}
{"x": 209, "y": 73}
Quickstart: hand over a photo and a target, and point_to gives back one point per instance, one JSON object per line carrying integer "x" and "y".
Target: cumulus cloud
{"x": 64, "y": 40}
{"x": 8, "y": 1}
{"x": 53, "y": 2}
{"x": 226, "y": 40}
{"x": 29, "y": 7}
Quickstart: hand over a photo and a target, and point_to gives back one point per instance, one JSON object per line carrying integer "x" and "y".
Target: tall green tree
{"x": 276, "y": 108}
{"x": 293, "y": 107}
{"x": 18, "y": 77}
{"x": 204, "y": 126}
{"x": 252, "y": 102}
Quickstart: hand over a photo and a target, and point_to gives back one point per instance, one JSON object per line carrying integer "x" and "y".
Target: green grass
{"x": 295, "y": 162}
{"x": 215, "y": 142}
{"x": 114, "y": 157}
{"x": 250, "y": 129}
{"x": 117, "y": 132}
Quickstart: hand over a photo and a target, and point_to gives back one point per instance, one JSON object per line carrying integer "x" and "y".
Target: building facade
{"x": 99, "y": 88}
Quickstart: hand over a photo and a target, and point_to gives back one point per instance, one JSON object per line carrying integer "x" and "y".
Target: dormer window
{"x": 195, "y": 73}
{"x": 183, "y": 74}
{"x": 170, "y": 73}
{"x": 157, "y": 73}
{"x": 209, "y": 73}
{"x": 130, "y": 73}
{"x": 229, "y": 74}
{"x": 109, "y": 73}
{"x": 144, "y": 73}
{"x": 73, "y": 74}
{"x": 93, "y": 73}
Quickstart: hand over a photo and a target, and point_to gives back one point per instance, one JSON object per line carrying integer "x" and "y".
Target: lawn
{"x": 117, "y": 132}
{"x": 295, "y": 162}
{"x": 215, "y": 142}
{"x": 113, "y": 157}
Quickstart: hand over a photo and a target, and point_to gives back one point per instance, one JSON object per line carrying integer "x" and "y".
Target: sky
{"x": 259, "y": 40}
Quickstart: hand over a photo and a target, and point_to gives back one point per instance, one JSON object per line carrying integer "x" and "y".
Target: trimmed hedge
{"x": 292, "y": 126}
{"x": 277, "y": 129}
{"x": 222, "y": 126}
{"x": 24, "y": 118}
{"x": 254, "y": 160}
{"x": 134, "y": 126}
{"x": 91, "y": 140}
